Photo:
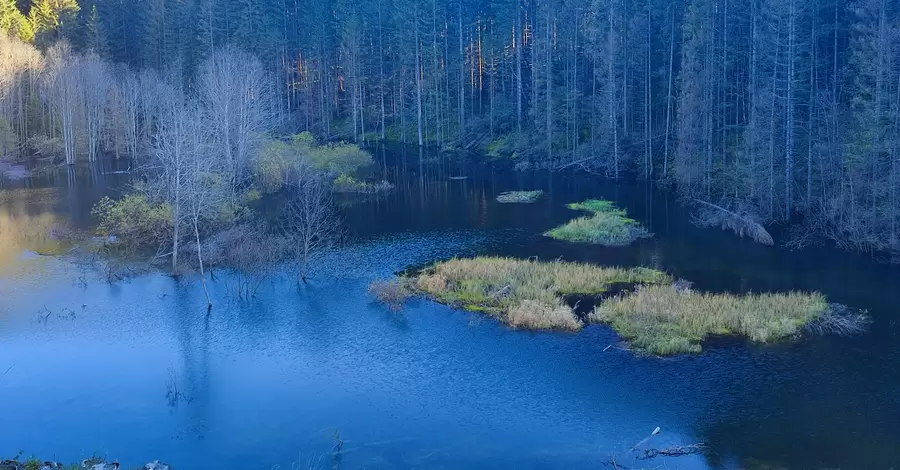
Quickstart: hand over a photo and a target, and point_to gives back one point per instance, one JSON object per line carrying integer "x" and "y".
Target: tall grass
{"x": 606, "y": 226}
{"x": 663, "y": 320}
{"x": 524, "y": 293}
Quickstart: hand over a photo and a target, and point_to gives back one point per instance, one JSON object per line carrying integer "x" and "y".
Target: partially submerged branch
{"x": 743, "y": 223}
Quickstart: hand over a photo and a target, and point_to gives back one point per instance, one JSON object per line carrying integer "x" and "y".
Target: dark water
{"x": 137, "y": 371}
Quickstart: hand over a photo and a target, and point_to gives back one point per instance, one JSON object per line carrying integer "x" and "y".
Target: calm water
{"x": 137, "y": 371}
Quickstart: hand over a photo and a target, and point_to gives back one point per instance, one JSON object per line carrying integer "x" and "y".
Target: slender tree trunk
{"x": 669, "y": 95}
{"x": 418, "y": 82}
{"x": 200, "y": 260}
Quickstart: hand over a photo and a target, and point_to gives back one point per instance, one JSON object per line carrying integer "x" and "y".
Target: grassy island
{"x": 607, "y": 225}
{"x": 526, "y": 294}
{"x": 653, "y": 313}
{"x": 519, "y": 197}
{"x": 664, "y": 320}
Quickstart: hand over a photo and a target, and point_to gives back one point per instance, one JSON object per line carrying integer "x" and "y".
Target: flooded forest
{"x": 449, "y": 234}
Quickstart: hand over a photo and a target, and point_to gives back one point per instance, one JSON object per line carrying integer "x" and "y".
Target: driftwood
{"x": 743, "y": 225}
{"x": 677, "y": 451}
{"x": 652, "y": 453}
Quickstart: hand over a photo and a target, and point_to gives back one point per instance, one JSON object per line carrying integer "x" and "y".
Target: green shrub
{"x": 280, "y": 162}
{"x": 340, "y": 159}
{"x": 134, "y": 220}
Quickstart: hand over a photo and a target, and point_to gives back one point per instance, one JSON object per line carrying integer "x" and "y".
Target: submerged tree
{"x": 309, "y": 222}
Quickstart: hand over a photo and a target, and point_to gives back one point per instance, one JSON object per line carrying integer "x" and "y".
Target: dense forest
{"x": 778, "y": 110}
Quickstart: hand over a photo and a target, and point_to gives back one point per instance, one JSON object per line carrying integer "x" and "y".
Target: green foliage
{"x": 13, "y": 22}
{"x": 607, "y": 226}
{"x": 664, "y": 320}
{"x": 50, "y": 19}
{"x": 134, "y": 220}
{"x": 277, "y": 162}
{"x": 340, "y": 159}
{"x": 349, "y": 184}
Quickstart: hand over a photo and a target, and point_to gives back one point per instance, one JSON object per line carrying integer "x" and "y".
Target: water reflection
{"x": 270, "y": 380}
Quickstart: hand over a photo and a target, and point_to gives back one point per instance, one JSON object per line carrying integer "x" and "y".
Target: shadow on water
{"x": 273, "y": 378}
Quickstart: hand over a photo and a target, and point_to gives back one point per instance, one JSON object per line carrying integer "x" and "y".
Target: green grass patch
{"x": 607, "y": 226}
{"x": 349, "y": 184}
{"x": 525, "y": 294}
{"x": 520, "y": 197}
{"x": 663, "y": 320}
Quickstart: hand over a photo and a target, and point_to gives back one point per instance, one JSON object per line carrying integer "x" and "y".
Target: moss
{"x": 663, "y": 320}
{"x": 607, "y": 226}
{"x": 522, "y": 197}
{"x": 523, "y": 293}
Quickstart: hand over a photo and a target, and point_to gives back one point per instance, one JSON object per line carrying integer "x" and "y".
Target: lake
{"x": 138, "y": 371}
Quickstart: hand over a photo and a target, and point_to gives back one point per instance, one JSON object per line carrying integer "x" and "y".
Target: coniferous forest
{"x": 776, "y": 110}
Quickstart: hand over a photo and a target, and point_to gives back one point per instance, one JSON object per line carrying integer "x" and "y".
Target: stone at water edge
{"x": 156, "y": 465}
{"x": 103, "y": 466}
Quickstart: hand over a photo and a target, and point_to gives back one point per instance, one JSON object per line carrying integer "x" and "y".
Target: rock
{"x": 10, "y": 465}
{"x": 52, "y": 466}
{"x": 99, "y": 464}
{"x": 156, "y": 465}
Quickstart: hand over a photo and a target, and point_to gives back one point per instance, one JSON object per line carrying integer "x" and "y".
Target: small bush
{"x": 521, "y": 197}
{"x": 393, "y": 293}
{"x": 134, "y": 220}
{"x": 45, "y": 146}
{"x": 349, "y": 184}
{"x": 607, "y": 226}
{"x": 278, "y": 162}
{"x": 340, "y": 159}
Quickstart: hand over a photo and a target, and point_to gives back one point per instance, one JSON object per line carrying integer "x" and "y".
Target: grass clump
{"x": 349, "y": 184}
{"x": 663, "y": 320}
{"x": 607, "y": 226}
{"x": 522, "y": 197}
{"x": 526, "y": 294}
{"x": 392, "y": 293}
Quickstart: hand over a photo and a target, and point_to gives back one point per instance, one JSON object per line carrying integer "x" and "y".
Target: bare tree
{"x": 61, "y": 88}
{"x": 309, "y": 221}
{"x": 19, "y": 65}
{"x": 171, "y": 166}
{"x": 96, "y": 81}
{"x": 204, "y": 192}
{"x": 237, "y": 96}
{"x": 130, "y": 93}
